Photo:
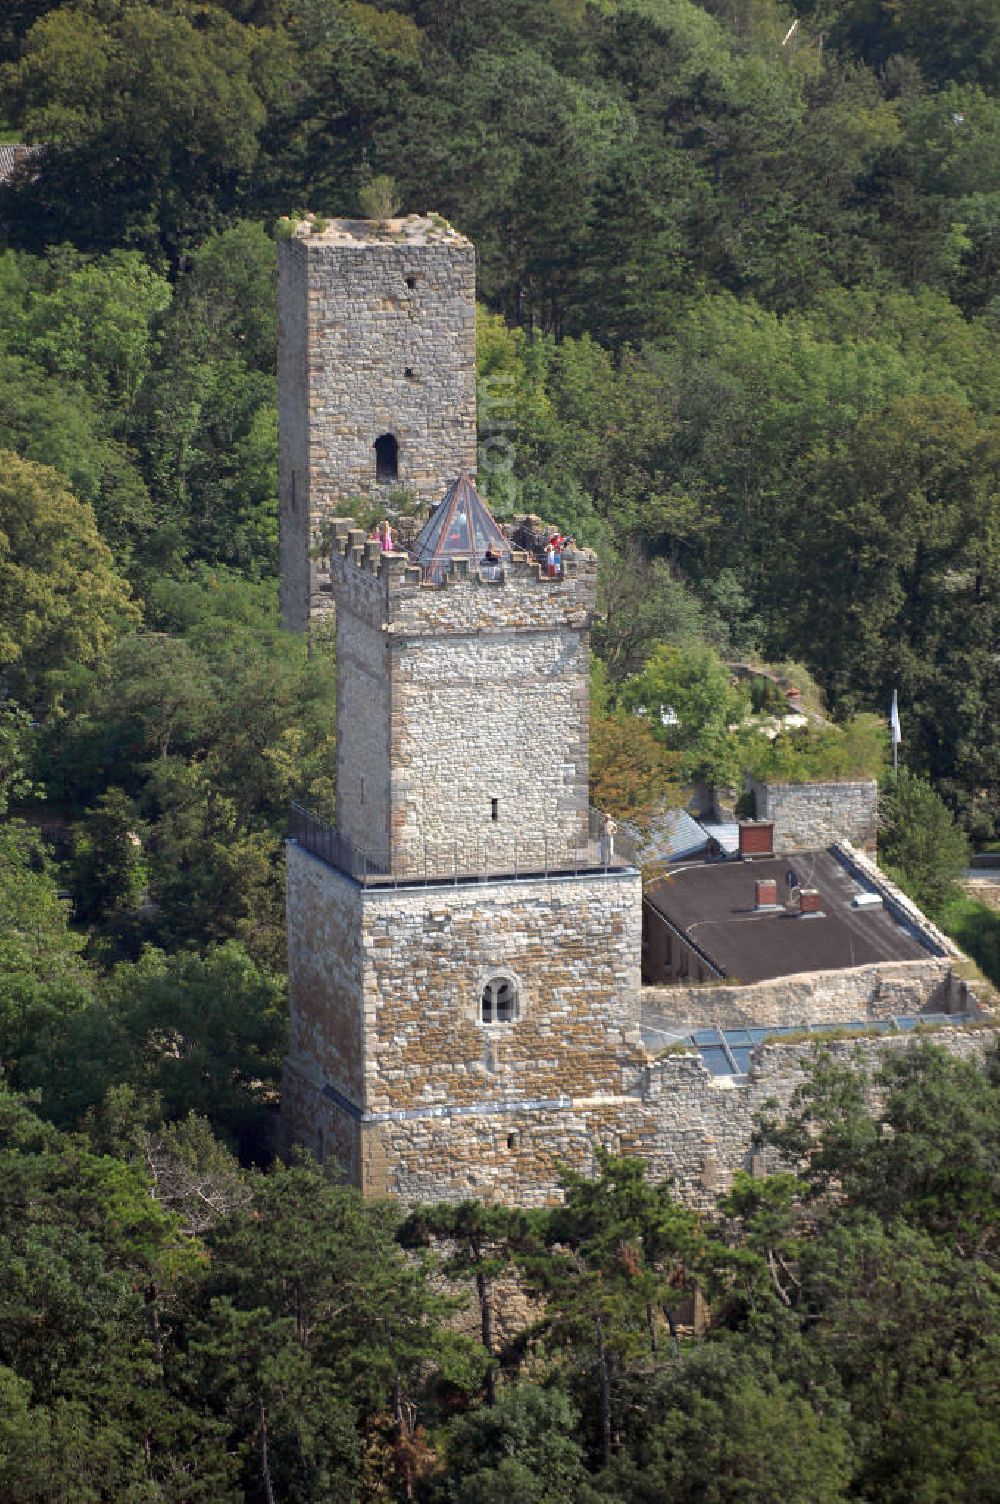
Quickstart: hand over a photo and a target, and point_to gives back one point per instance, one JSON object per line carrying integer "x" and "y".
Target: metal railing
{"x": 326, "y": 842}
{"x": 623, "y": 844}
{"x": 437, "y": 570}
{"x": 475, "y": 857}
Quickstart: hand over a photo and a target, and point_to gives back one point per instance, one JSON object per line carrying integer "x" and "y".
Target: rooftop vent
{"x": 866, "y": 901}
{"x": 756, "y": 838}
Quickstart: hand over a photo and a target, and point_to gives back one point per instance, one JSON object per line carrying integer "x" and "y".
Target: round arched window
{"x": 498, "y": 1002}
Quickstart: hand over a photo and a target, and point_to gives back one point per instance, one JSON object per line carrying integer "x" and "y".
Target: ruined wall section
{"x": 377, "y": 329}
{"x": 697, "y": 1129}
{"x": 810, "y": 815}
{"x": 884, "y": 990}
{"x": 692, "y": 1128}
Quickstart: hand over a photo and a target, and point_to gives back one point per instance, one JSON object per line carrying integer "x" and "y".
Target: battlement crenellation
{"x": 386, "y": 589}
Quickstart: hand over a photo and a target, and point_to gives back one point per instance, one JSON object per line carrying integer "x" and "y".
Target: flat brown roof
{"x": 712, "y": 905}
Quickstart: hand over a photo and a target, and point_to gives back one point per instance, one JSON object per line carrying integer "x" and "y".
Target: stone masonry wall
{"x": 364, "y": 773}
{"x": 502, "y": 717}
{"x": 387, "y": 1044}
{"x": 809, "y": 815}
{"x": 390, "y": 1072}
{"x": 377, "y": 329}
{"x": 697, "y": 1129}
{"x": 883, "y": 990}
{"x": 690, "y": 1127}
{"x": 569, "y": 944}
{"x": 325, "y": 974}
{"x": 457, "y": 694}
{"x": 294, "y": 520}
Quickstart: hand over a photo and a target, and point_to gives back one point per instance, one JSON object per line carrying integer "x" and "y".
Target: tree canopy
{"x": 739, "y": 271}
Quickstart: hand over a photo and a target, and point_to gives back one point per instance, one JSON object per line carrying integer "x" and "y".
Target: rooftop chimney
{"x": 766, "y": 893}
{"x": 809, "y": 901}
{"x": 756, "y": 838}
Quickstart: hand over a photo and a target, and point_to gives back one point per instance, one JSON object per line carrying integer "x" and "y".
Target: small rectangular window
{"x": 494, "y": 809}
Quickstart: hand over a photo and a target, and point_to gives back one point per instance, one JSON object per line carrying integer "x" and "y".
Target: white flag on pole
{"x": 896, "y": 733}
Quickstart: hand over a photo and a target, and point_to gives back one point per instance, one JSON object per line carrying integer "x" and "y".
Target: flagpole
{"x": 894, "y": 730}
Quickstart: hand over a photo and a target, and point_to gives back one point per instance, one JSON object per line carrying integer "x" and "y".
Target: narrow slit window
{"x": 494, "y": 810}
{"x": 386, "y": 457}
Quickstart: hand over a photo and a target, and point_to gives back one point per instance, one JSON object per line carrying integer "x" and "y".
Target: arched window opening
{"x": 386, "y": 457}
{"x": 498, "y": 1004}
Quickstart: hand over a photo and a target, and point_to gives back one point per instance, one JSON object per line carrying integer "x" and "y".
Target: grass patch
{"x": 976, "y": 928}
{"x": 837, "y": 1036}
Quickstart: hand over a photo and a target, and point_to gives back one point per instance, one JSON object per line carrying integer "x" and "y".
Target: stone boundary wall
{"x": 699, "y": 1129}
{"x": 881, "y": 990}
{"x": 895, "y": 900}
{"x": 690, "y": 1127}
{"x": 809, "y": 815}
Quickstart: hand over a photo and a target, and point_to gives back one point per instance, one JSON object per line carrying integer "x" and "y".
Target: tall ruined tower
{"x": 376, "y": 375}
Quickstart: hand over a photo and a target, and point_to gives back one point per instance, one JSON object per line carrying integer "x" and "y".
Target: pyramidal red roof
{"x": 460, "y": 527}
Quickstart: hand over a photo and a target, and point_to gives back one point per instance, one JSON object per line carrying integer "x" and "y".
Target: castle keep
{"x": 464, "y": 967}
{"x": 467, "y": 1011}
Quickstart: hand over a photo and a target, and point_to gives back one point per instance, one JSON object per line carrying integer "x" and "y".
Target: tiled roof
{"x": 671, "y": 837}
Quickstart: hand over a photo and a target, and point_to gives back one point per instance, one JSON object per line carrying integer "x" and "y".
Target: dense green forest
{"x": 247, "y": 1336}
{"x": 739, "y": 265}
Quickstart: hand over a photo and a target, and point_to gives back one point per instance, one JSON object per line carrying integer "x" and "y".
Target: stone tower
{"x": 376, "y": 375}
{"x": 464, "y": 968}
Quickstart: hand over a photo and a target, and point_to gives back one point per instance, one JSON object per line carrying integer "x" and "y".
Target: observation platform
{"x": 490, "y": 859}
